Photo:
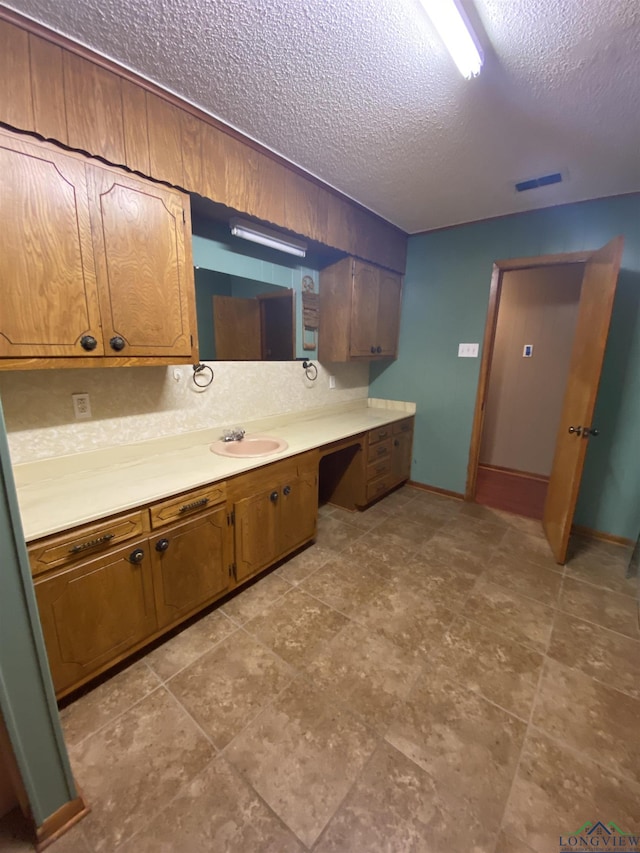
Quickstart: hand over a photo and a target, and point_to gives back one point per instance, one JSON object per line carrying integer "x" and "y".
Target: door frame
{"x": 495, "y": 291}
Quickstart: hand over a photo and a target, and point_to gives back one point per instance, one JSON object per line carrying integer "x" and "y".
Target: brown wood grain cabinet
{"x": 142, "y": 251}
{"x": 191, "y": 565}
{"x": 93, "y": 99}
{"x": 49, "y": 286}
{"x": 65, "y": 93}
{"x": 360, "y": 310}
{"x": 95, "y": 263}
{"x": 275, "y": 511}
{"x": 93, "y": 612}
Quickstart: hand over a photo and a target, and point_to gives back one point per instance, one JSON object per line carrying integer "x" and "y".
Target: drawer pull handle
{"x": 383, "y": 434}
{"x": 380, "y": 469}
{"x": 92, "y": 543}
{"x": 194, "y": 505}
{"x": 382, "y": 451}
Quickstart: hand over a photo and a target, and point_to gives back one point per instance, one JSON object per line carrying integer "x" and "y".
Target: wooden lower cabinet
{"x": 93, "y": 612}
{"x": 190, "y": 563}
{"x": 278, "y": 514}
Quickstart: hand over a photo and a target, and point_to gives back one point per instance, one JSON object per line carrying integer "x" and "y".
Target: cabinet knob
{"x": 136, "y": 556}
{"x": 88, "y": 342}
{"x": 396, "y": 443}
{"x": 117, "y": 343}
{"x": 162, "y": 544}
{"x": 286, "y": 490}
{"x": 378, "y": 349}
{"x": 273, "y": 497}
{"x": 373, "y": 349}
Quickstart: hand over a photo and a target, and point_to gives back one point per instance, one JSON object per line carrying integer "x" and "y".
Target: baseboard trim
{"x": 426, "y": 488}
{"x": 60, "y": 822}
{"x": 590, "y": 533}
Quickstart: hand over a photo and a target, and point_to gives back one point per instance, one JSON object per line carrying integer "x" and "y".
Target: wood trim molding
{"x": 60, "y": 822}
{"x": 111, "y": 65}
{"x": 425, "y": 487}
{"x": 499, "y": 268}
{"x": 601, "y": 535}
{"x": 483, "y": 381}
{"x": 510, "y": 264}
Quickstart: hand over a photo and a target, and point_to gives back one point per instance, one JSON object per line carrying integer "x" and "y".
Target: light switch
{"x": 468, "y": 350}
{"x": 527, "y": 351}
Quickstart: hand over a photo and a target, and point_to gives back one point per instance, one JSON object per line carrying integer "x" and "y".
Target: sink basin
{"x": 251, "y": 445}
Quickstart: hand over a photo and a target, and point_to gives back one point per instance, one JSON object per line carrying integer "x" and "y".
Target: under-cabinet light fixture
{"x": 452, "y": 24}
{"x": 266, "y": 237}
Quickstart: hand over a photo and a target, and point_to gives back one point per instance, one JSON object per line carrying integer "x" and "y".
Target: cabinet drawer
{"x": 402, "y": 426}
{"x": 377, "y": 488}
{"x": 85, "y": 541}
{"x": 379, "y": 434}
{"x": 188, "y": 504}
{"x": 380, "y": 450}
{"x": 379, "y": 468}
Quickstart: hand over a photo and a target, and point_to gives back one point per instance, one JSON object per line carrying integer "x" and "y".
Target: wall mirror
{"x": 253, "y": 303}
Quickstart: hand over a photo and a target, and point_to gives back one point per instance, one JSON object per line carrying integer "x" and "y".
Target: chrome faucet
{"x": 235, "y": 434}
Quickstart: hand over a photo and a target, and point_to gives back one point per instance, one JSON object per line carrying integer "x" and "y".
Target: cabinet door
{"x": 49, "y": 296}
{"x": 298, "y": 512}
{"x": 389, "y": 294}
{"x": 364, "y": 310}
{"x": 190, "y": 565}
{"x": 401, "y": 457}
{"x": 144, "y": 281}
{"x": 256, "y": 532}
{"x": 94, "y": 612}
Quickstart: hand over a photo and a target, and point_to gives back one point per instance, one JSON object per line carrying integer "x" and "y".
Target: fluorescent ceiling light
{"x": 453, "y": 26}
{"x": 266, "y": 237}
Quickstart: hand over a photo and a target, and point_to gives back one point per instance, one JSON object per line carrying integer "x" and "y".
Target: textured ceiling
{"x": 363, "y": 94}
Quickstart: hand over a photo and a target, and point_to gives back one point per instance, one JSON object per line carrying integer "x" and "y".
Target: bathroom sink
{"x": 250, "y": 445}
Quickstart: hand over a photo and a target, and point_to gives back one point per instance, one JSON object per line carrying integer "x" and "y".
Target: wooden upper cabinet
{"x": 364, "y": 310}
{"x": 47, "y": 89}
{"x": 93, "y": 98}
{"x": 134, "y": 119}
{"x": 306, "y": 206}
{"x": 49, "y": 295}
{"x": 165, "y": 140}
{"x": 16, "y": 107}
{"x": 359, "y": 311}
{"x": 389, "y": 300}
{"x": 143, "y": 264}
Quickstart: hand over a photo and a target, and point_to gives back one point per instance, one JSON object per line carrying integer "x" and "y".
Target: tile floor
{"x": 423, "y": 678}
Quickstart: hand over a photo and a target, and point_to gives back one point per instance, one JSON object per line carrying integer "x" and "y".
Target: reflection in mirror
{"x": 249, "y": 298}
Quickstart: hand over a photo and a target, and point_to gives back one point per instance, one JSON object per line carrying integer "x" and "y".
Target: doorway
{"x": 598, "y": 279}
{"x": 536, "y": 322}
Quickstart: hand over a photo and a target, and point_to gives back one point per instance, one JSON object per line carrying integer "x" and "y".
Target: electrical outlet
{"x": 332, "y": 382}
{"x": 468, "y": 350}
{"x": 81, "y": 406}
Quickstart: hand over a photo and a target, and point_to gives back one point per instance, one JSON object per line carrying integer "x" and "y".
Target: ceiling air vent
{"x": 544, "y": 181}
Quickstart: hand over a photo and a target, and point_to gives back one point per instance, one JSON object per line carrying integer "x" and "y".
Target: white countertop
{"x": 56, "y": 494}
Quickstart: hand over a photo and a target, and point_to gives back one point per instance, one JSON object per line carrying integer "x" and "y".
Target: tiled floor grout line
{"x": 529, "y": 727}
{"x": 191, "y": 717}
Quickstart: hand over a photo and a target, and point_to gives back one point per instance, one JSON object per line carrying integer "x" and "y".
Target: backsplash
{"x": 140, "y": 403}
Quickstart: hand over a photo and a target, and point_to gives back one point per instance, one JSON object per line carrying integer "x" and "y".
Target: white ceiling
{"x": 363, "y": 94}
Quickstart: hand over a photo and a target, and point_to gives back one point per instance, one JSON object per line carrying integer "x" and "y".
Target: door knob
{"x": 117, "y": 343}
{"x": 162, "y": 545}
{"x": 577, "y": 430}
{"x": 273, "y": 497}
{"x": 286, "y": 490}
{"x": 88, "y": 342}
{"x": 136, "y": 556}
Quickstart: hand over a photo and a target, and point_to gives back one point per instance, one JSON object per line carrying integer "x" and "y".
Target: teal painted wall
{"x": 445, "y": 302}
{"x": 27, "y": 701}
{"x": 238, "y": 258}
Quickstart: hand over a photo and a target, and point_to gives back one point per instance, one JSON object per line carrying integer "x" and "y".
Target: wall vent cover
{"x": 544, "y": 181}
